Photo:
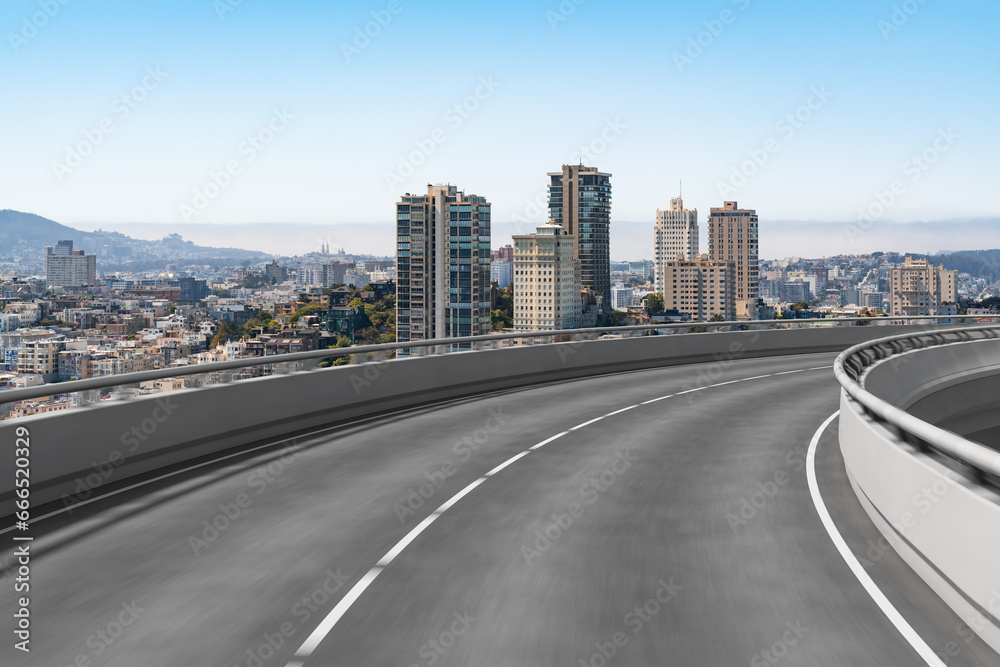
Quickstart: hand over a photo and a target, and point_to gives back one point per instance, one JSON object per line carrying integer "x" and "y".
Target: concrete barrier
{"x": 80, "y": 451}
{"x": 947, "y": 530}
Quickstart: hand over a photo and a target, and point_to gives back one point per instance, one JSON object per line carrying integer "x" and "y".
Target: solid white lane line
{"x": 798, "y": 370}
{"x": 545, "y": 442}
{"x": 905, "y": 629}
{"x": 658, "y": 398}
{"x": 317, "y": 636}
{"x": 757, "y": 377}
{"x": 466, "y": 491}
{"x": 331, "y": 620}
{"x": 579, "y": 426}
{"x": 410, "y": 536}
{"x": 506, "y": 463}
{"x": 719, "y": 384}
{"x": 819, "y": 368}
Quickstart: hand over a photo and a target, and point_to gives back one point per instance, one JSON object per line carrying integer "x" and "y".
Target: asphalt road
{"x": 678, "y": 532}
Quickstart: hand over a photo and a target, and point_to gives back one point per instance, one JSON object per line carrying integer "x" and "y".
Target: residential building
{"x": 504, "y": 254}
{"x": 442, "y": 265}
{"x": 192, "y": 289}
{"x": 65, "y": 267}
{"x": 871, "y": 300}
{"x": 675, "y": 233}
{"x": 732, "y": 237}
{"x": 547, "y": 290}
{"x": 701, "y": 288}
{"x": 41, "y": 357}
{"x": 278, "y": 274}
{"x": 73, "y": 365}
{"x": 919, "y": 288}
{"x": 502, "y": 273}
{"x": 622, "y": 297}
{"x": 796, "y": 291}
{"x": 580, "y": 201}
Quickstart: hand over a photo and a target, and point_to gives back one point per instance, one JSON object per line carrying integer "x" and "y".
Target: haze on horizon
{"x": 291, "y": 113}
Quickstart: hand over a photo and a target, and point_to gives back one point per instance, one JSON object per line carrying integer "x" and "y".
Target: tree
{"x": 304, "y": 311}
{"x": 502, "y": 316}
{"x": 227, "y": 332}
{"x": 654, "y": 304}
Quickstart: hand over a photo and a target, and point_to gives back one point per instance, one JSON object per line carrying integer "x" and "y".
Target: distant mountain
{"x": 25, "y": 235}
{"x": 981, "y": 263}
{"x": 17, "y": 227}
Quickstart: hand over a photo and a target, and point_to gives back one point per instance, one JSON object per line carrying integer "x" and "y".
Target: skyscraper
{"x": 65, "y": 267}
{"x": 676, "y": 233}
{"x": 443, "y": 265}
{"x": 547, "y": 293}
{"x": 732, "y": 237}
{"x": 580, "y": 201}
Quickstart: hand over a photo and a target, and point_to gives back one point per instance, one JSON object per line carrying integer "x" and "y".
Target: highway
{"x": 675, "y": 531}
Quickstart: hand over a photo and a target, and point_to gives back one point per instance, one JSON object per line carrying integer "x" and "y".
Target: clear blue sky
{"x": 562, "y": 78}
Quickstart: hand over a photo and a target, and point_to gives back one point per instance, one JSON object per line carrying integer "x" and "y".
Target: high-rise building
{"x": 65, "y": 267}
{"x": 580, "y": 201}
{"x": 547, "y": 291}
{"x": 919, "y": 288}
{"x": 701, "y": 287}
{"x": 676, "y": 233}
{"x": 502, "y": 273}
{"x": 732, "y": 237}
{"x": 443, "y": 265}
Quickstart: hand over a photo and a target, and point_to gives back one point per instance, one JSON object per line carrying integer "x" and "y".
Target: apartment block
{"x": 919, "y": 288}
{"x": 580, "y": 201}
{"x": 732, "y": 237}
{"x": 547, "y": 288}
{"x": 443, "y": 265}
{"x": 700, "y": 288}
{"x": 65, "y": 267}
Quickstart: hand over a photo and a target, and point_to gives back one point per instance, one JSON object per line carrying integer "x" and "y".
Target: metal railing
{"x": 852, "y": 365}
{"x": 227, "y": 371}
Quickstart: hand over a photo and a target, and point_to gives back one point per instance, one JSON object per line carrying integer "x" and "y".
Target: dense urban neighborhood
{"x": 64, "y": 316}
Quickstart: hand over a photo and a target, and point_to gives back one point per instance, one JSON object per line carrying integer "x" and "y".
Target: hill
{"x": 23, "y": 237}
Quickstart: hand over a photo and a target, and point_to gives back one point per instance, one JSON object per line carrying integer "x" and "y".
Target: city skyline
{"x": 840, "y": 118}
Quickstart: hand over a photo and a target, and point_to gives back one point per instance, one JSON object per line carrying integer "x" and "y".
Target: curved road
{"x": 679, "y": 531}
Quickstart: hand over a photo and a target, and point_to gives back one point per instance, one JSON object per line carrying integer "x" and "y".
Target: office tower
{"x": 65, "y": 267}
{"x": 919, "y": 288}
{"x": 699, "y": 287}
{"x": 580, "y": 201}
{"x": 676, "y": 233}
{"x": 732, "y": 237}
{"x": 547, "y": 290}
{"x": 443, "y": 265}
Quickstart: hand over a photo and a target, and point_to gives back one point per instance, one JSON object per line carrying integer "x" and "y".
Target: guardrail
{"x": 851, "y": 366}
{"x": 300, "y": 360}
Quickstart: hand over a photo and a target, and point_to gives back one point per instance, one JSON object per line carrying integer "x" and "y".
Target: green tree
{"x": 654, "y": 304}
{"x": 311, "y": 309}
{"x": 225, "y": 333}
